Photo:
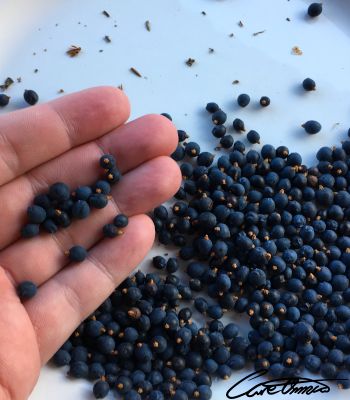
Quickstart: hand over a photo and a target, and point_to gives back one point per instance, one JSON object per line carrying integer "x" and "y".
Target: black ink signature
{"x": 295, "y": 385}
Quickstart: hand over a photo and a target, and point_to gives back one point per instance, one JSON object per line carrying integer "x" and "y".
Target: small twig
{"x": 135, "y": 72}
{"x": 259, "y": 33}
{"x": 148, "y": 26}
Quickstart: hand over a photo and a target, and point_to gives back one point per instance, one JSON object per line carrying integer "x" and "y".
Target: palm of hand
{"x": 62, "y": 141}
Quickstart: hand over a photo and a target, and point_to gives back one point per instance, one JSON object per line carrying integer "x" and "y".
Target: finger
{"x": 79, "y": 289}
{"x": 37, "y": 134}
{"x": 133, "y": 144}
{"x": 141, "y": 190}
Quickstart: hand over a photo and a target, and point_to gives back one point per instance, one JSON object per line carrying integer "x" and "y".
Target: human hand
{"x": 62, "y": 141}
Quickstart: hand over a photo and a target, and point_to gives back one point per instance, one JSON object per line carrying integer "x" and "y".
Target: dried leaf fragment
{"x": 240, "y": 24}
{"x": 235, "y": 82}
{"x": 297, "y": 51}
{"x": 107, "y": 39}
{"x": 190, "y": 62}
{"x": 7, "y": 83}
{"x": 148, "y": 26}
{"x": 211, "y": 50}
{"x": 105, "y": 13}
{"x": 73, "y": 51}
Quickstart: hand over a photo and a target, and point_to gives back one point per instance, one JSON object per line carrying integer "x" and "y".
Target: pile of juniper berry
{"x": 259, "y": 233}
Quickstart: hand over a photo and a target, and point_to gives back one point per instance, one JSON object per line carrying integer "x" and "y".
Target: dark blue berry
{"x": 80, "y": 209}
{"x": 110, "y": 231}
{"x": 107, "y": 161}
{"x": 192, "y": 149}
{"x": 30, "y": 230}
{"x": 309, "y": 84}
{"x": 31, "y": 97}
{"x": 61, "y": 358}
{"x": 36, "y": 214}
{"x": 77, "y": 253}
{"x": 101, "y": 389}
{"x": 26, "y": 290}
{"x": 166, "y": 115}
{"x": 314, "y": 10}
{"x": 264, "y": 101}
{"x": 78, "y": 369}
{"x": 238, "y": 125}
{"x": 243, "y": 100}
{"x": 102, "y": 187}
{"x": 253, "y": 137}
{"x": 182, "y": 135}
{"x": 179, "y": 153}
{"x": 212, "y": 107}
{"x": 59, "y": 191}
{"x": 98, "y": 201}
{"x": 312, "y": 127}
{"x": 219, "y": 117}
{"x": 121, "y": 221}
{"x": 113, "y": 175}
{"x": 4, "y": 100}
{"x": 83, "y": 193}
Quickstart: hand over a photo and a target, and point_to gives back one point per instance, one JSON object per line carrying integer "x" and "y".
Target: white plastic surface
{"x": 263, "y": 64}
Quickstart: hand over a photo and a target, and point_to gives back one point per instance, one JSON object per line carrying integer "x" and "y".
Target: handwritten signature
{"x": 294, "y": 385}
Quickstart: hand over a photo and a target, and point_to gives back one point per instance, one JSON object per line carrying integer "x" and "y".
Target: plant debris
{"x": 121, "y": 87}
{"x": 19, "y": 79}
{"x": 231, "y": 35}
{"x": 107, "y": 39}
{"x": 148, "y": 26}
{"x": 135, "y": 72}
{"x": 259, "y": 32}
{"x": 60, "y": 91}
{"x": 204, "y": 13}
{"x": 105, "y": 13}
{"x": 296, "y": 50}
{"x": 235, "y": 82}
{"x": 211, "y": 50}
{"x": 190, "y": 62}
{"x": 73, "y": 51}
{"x": 8, "y": 82}
{"x": 288, "y": 19}
{"x": 240, "y": 24}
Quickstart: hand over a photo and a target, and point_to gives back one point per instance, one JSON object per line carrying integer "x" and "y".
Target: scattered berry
{"x": 243, "y": 100}
{"x": 4, "y": 100}
{"x": 314, "y": 10}
{"x": 30, "y": 97}
{"x": 265, "y": 101}
{"x": 309, "y": 84}
{"x": 312, "y": 127}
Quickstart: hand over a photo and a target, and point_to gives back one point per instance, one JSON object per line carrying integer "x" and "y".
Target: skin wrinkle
{"x": 6, "y": 162}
